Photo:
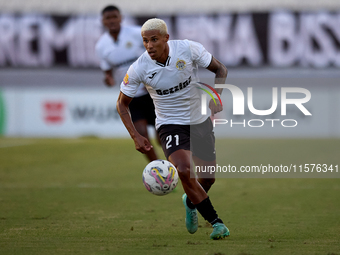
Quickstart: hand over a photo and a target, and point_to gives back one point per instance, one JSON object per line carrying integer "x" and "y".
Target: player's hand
{"x": 142, "y": 144}
{"x": 109, "y": 81}
{"x": 215, "y": 108}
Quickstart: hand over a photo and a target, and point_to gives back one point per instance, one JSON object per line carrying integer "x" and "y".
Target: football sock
{"x": 208, "y": 212}
{"x": 190, "y": 204}
{"x": 206, "y": 189}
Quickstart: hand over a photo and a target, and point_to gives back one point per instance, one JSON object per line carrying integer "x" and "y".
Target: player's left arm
{"x": 221, "y": 73}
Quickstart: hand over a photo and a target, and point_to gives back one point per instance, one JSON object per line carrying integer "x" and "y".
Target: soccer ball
{"x": 160, "y": 177}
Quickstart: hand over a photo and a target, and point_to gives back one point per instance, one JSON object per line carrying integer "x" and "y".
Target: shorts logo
{"x": 180, "y": 64}
{"x": 126, "y": 79}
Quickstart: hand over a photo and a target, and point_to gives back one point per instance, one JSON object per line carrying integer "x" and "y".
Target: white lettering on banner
{"x": 246, "y": 44}
{"x": 204, "y": 29}
{"x": 28, "y": 32}
{"x": 315, "y": 45}
{"x": 54, "y": 38}
{"x": 32, "y": 40}
{"x": 333, "y": 23}
{"x": 78, "y": 36}
{"x": 7, "y": 46}
{"x": 308, "y": 40}
{"x": 231, "y": 45}
{"x": 282, "y": 39}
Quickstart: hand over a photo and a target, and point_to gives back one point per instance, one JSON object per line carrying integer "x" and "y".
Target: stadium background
{"x": 85, "y": 195}
{"x": 51, "y": 85}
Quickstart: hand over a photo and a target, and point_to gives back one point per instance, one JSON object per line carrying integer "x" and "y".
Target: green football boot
{"x": 191, "y": 220}
{"x": 220, "y": 231}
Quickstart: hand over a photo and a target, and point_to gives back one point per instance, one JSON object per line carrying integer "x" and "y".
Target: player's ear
{"x": 167, "y": 37}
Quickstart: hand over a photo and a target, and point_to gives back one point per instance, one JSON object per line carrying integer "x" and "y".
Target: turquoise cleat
{"x": 220, "y": 231}
{"x": 191, "y": 220}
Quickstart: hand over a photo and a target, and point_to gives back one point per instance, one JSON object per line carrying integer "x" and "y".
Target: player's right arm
{"x": 128, "y": 89}
{"x": 101, "y": 49}
{"x": 141, "y": 143}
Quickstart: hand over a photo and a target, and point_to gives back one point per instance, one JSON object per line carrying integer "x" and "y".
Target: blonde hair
{"x": 155, "y": 24}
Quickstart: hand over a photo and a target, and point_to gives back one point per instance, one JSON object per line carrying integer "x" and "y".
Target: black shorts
{"x": 143, "y": 108}
{"x": 199, "y": 139}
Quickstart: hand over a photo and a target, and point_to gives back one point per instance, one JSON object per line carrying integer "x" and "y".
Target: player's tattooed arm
{"x": 220, "y": 71}
{"x": 141, "y": 143}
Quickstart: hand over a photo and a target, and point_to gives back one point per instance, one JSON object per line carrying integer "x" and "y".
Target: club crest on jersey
{"x": 180, "y": 64}
{"x": 126, "y": 79}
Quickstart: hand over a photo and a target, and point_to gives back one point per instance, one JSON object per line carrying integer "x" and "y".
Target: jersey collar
{"x": 167, "y": 62}
{"x": 120, "y": 35}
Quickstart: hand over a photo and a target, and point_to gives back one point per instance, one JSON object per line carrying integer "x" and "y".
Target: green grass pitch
{"x": 85, "y": 196}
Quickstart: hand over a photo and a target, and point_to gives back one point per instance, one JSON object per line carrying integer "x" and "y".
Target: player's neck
{"x": 164, "y": 57}
{"x": 115, "y": 34}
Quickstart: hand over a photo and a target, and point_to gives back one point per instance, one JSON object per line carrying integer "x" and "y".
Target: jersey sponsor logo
{"x": 126, "y": 79}
{"x": 174, "y": 89}
{"x": 152, "y": 75}
{"x": 180, "y": 64}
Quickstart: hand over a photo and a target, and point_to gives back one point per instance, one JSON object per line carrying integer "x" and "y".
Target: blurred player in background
{"x": 169, "y": 71}
{"x": 117, "y": 49}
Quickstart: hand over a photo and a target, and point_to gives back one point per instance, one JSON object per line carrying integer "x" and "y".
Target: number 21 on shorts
{"x": 170, "y": 141}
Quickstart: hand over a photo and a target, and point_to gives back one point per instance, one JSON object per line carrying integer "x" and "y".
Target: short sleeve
{"x": 199, "y": 54}
{"x": 104, "y": 65}
{"x": 130, "y": 83}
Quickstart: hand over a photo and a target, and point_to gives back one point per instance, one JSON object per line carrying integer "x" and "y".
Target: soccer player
{"x": 117, "y": 49}
{"x": 168, "y": 69}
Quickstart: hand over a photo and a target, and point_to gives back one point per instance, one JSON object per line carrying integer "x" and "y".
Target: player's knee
{"x": 183, "y": 171}
{"x": 207, "y": 183}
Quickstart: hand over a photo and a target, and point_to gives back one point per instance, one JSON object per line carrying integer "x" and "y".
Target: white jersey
{"x": 173, "y": 86}
{"x": 119, "y": 55}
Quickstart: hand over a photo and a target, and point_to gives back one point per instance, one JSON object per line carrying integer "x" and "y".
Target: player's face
{"x": 111, "y": 20}
{"x": 156, "y": 45}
